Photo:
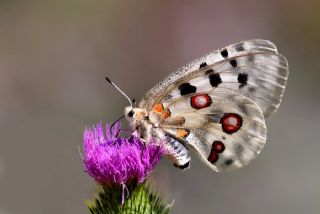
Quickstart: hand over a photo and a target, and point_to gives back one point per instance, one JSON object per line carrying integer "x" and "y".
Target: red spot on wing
{"x": 231, "y": 123}
{"x": 218, "y": 146}
{"x": 200, "y": 101}
{"x": 213, "y": 157}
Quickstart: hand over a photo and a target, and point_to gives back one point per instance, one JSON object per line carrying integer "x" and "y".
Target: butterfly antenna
{"x": 124, "y": 94}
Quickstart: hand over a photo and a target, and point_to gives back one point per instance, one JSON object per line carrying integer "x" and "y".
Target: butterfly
{"x": 215, "y": 106}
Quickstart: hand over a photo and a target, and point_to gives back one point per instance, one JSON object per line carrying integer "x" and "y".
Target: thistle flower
{"x": 116, "y": 160}
{"x": 121, "y": 165}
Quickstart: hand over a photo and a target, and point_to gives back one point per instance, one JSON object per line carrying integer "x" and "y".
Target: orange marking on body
{"x": 165, "y": 114}
{"x": 158, "y": 108}
{"x": 182, "y": 133}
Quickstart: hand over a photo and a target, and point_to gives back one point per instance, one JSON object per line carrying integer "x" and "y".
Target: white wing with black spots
{"x": 216, "y": 105}
{"x": 251, "y": 68}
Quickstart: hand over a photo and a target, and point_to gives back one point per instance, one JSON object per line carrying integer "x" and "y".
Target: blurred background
{"x": 55, "y": 54}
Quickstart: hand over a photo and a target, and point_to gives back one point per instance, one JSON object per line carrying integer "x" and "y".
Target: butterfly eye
{"x": 131, "y": 113}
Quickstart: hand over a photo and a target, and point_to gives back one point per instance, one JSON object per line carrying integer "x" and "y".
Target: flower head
{"x": 116, "y": 160}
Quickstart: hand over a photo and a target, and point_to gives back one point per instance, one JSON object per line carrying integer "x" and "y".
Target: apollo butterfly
{"x": 216, "y": 105}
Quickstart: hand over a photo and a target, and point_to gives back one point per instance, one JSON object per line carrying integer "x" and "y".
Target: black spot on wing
{"x": 238, "y": 150}
{"x": 224, "y": 53}
{"x": 242, "y": 79}
{"x": 209, "y": 71}
{"x": 252, "y": 89}
{"x": 214, "y": 118}
{"x": 251, "y": 58}
{"x": 204, "y": 64}
{"x": 215, "y": 80}
{"x": 239, "y": 47}
{"x": 187, "y": 88}
{"x": 233, "y": 63}
{"x": 228, "y": 162}
{"x": 243, "y": 108}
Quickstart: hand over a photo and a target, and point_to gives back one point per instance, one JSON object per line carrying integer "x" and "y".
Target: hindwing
{"x": 227, "y": 134}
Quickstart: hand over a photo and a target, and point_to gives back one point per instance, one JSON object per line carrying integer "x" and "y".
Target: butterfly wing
{"x": 250, "y": 68}
{"x": 217, "y": 104}
{"x": 227, "y": 134}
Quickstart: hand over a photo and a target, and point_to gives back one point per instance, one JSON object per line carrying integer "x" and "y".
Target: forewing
{"x": 250, "y": 68}
{"x": 227, "y": 134}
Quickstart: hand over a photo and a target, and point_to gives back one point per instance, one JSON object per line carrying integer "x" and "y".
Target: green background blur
{"x": 54, "y": 56}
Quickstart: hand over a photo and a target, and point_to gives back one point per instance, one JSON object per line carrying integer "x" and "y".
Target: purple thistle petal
{"x": 116, "y": 160}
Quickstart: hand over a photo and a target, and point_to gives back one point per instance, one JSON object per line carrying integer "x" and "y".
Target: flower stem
{"x": 140, "y": 200}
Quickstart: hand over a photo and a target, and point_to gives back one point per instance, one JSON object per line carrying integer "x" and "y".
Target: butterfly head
{"x": 135, "y": 116}
{"x": 132, "y": 113}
